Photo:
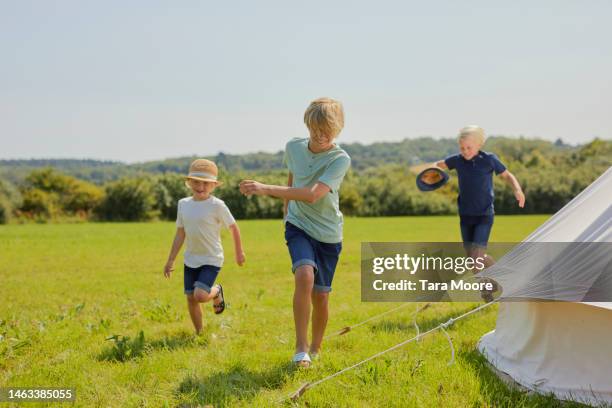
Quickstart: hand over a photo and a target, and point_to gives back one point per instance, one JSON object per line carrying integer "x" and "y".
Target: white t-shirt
{"x": 202, "y": 221}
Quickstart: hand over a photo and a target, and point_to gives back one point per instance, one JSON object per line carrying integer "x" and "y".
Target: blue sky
{"x": 138, "y": 80}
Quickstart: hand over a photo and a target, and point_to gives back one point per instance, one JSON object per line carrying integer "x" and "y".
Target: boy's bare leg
{"x": 320, "y": 313}
{"x": 203, "y": 296}
{"x": 304, "y": 279}
{"x": 478, "y": 252}
{"x": 195, "y": 312}
{"x": 488, "y": 261}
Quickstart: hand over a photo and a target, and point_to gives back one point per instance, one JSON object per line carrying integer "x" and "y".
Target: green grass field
{"x": 66, "y": 288}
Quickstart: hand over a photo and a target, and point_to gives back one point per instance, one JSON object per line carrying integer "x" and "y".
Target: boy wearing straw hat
{"x": 313, "y": 221}
{"x": 198, "y": 222}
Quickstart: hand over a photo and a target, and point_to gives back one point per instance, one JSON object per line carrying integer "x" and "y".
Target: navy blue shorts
{"x": 305, "y": 250}
{"x": 202, "y": 277}
{"x": 475, "y": 230}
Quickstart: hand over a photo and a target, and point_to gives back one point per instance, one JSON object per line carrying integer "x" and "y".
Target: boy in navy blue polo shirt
{"x": 475, "y": 170}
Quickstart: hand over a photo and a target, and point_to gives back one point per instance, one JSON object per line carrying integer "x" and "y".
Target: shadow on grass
{"x": 125, "y": 348}
{"x": 497, "y": 393}
{"x": 221, "y": 388}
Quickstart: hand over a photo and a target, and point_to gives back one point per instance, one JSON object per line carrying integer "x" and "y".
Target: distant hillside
{"x": 408, "y": 152}
{"x": 381, "y": 183}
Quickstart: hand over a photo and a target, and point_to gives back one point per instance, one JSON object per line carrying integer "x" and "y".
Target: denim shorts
{"x": 202, "y": 277}
{"x": 475, "y": 230}
{"x": 305, "y": 250}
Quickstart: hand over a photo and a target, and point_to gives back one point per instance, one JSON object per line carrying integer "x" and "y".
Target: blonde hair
{"x": 473, "y": 131}
{"x": 325, "y": 116}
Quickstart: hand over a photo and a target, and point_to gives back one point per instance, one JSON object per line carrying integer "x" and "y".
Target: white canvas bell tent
{"x": 560, "y": 342}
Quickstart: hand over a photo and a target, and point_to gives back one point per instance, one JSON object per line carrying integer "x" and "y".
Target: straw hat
{"x": 431, "y": 179}
{"x": 203, "y": 170}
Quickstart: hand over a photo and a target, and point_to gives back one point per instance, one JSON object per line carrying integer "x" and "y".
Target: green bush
{"x": 48, "y": 194}
{"x": 49, "y": 180}
{"x": 127, "y": 200}
{"x": 10, "y": 200}
{"x": 82, "y": 198}
{"x": 168, "y": 189}
{"x": 351, "y": 200}
{"x": 254, "y": 206}
{"x": 390, "y": 191}
{"x": 39, "y": 204}
{"x": 5, "y": 211}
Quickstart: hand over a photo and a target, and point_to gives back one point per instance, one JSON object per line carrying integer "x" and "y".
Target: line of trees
{"x": 549, "y": 180}
{"x": 406, "y": 152}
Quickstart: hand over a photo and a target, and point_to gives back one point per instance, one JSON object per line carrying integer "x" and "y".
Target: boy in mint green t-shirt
{"x": 313, "y": 221}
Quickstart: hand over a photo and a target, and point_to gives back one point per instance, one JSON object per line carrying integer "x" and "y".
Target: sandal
{"x": 302, "y": 359}
{"x": 219, "y": 307}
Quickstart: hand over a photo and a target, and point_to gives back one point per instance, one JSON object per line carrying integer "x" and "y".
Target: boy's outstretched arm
{"x": 179, "y": 238}
{"x": 285, "y": 201}
{"x": 441, "y": 164}
{"x": 310, "y": 194}
{"x": 238, "y": 252}
{"x": 516, "y": 187}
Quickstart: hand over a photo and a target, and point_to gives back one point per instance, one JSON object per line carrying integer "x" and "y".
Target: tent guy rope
{"x": 442, "y": 326}
{"x": 347, "y": 329}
